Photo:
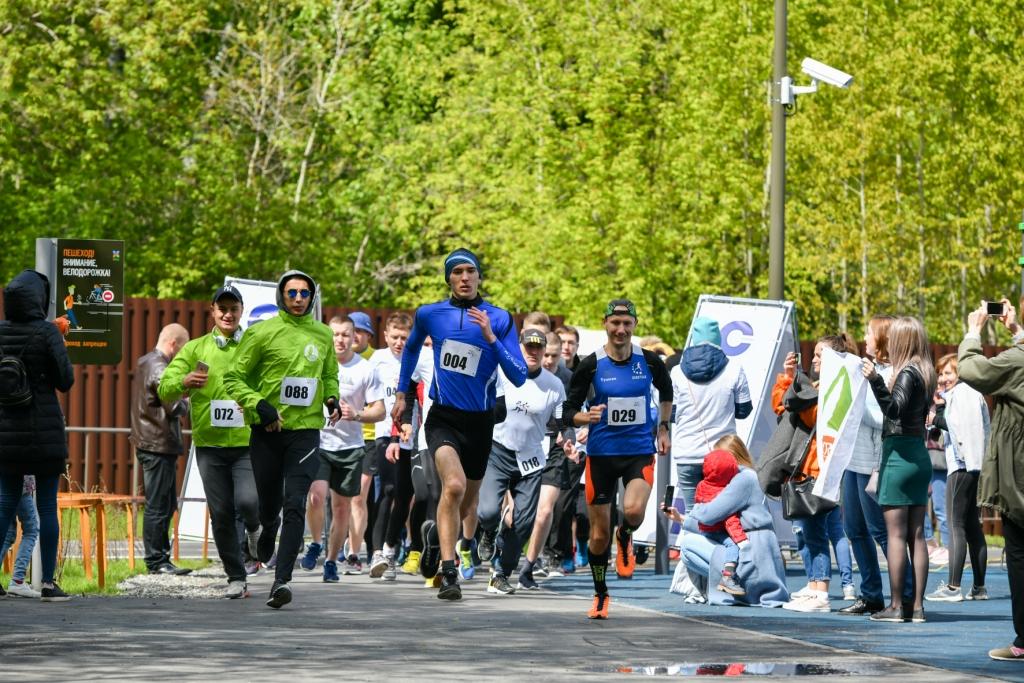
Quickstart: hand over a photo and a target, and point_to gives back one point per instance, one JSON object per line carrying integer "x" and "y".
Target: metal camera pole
{"x": 777, "y": 192}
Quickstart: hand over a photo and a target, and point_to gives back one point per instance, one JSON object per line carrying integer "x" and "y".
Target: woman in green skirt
{"x": 906, "y": 469}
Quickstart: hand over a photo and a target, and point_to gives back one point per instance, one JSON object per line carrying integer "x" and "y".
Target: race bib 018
{"x": 628, "y": 411}
{"x": 298, "y": 391}
{"x": 528, "y": 464}
{"x": 459, "y": 357}
{"x": 226, "y": 414}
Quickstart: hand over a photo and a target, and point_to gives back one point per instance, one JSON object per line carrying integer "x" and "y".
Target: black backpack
{"x": 14, "y": 386}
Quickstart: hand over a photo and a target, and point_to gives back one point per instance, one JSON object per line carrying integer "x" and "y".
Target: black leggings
{"x": 395, "y": 496}
{"x": 965, "y": 527}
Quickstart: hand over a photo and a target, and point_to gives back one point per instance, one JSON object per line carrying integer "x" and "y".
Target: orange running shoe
{"x": 624, "y": 561}
{"x": 599, "y": 610}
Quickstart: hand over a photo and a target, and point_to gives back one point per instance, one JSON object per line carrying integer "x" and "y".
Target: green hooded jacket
{"x": 289, "y": 362}
{"x": 226, "y": 429}
{"x": 1001, "y": 484}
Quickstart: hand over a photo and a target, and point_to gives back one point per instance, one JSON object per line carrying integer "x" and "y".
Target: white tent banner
{"x": 841, "y": 396}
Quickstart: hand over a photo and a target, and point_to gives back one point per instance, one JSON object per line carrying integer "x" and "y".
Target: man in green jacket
{"x": 284, "y": 374}
{"x": 219, "y": 432}
{"x": 999, "y": 486}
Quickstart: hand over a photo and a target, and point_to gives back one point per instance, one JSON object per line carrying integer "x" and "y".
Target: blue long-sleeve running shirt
{"x": 464, "y": 362}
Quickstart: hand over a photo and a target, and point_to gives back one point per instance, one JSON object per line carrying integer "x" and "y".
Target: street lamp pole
{"x": 777, "y": 192}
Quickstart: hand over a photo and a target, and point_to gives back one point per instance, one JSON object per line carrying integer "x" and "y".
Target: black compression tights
{"x": 905, "y": 527}
{"x": 965, "y": 528}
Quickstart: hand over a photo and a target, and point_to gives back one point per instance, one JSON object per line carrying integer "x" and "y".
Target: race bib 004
{"x": 298, "y": 391}
{"x": 459, "y": 357}
{"x": 627, "y": 411}
{"x": 226, "y": 414}
{"x": 528, "y": 464}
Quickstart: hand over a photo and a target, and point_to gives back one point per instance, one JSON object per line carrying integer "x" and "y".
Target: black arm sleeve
{"x": 659, "y": 374}
{"x": 939, "y": 421}
{"x": 500, "y": 410}
{"x": 579, "y": 387}
{"x": 410, "y": 401}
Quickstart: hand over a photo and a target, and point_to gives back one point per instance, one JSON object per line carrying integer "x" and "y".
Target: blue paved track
{"x": 957, "y": 636}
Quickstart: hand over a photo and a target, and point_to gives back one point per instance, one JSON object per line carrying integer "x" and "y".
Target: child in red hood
{"x": 719, "y": 469}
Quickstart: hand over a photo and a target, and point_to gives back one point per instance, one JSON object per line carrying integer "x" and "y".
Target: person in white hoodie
{"x": 962, "y": 414}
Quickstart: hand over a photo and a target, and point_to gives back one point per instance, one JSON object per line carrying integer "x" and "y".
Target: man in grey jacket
{"x": 156, "y": 435}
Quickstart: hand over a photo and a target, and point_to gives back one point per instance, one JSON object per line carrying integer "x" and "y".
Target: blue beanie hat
{"x": 705, "y": 331}
{"x": 458, "y": 257}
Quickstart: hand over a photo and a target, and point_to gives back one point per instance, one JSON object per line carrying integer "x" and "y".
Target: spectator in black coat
{"x": 32, "y": 439}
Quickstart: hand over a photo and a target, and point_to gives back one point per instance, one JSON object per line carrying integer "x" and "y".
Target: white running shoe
{"x": 378, "y": 565}
{"x": 817, "y": 602}
{"x": 22, "y": 590}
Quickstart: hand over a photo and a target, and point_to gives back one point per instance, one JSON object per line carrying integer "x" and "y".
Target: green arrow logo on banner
{"x": 844, "y": 401}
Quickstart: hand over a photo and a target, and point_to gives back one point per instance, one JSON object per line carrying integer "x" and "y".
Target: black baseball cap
{"x": 533, "y": 336}
{"x": 620, "y": 307}
{"x": 227, "y": 290}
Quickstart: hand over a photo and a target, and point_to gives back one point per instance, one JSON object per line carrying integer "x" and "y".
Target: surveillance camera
{"x": 825, "y": 73}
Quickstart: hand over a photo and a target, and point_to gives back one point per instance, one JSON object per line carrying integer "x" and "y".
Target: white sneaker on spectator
{"x": 938, "y": 556}
{"x": 849, "y": 592}
{"x": 22, "y": 590}
{"x": 816, "y": 602}
{"x": 803, "y": 592}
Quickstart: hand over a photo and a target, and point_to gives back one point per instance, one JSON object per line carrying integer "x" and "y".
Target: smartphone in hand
{"x": 670, "y": 494}
{"x": 202, "y": 367}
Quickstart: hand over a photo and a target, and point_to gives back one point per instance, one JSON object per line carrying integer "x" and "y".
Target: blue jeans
{"x": 939, "y": 505}
{"x": 865, "y": 526}
{"x": 46, "y": 502}
{"x": 732, "y": 551}
{"x": 26, "y": 512}
{"x": 814, "y": 531}
{"x": 837, "y": 536}
{"x": 687, "y": 478}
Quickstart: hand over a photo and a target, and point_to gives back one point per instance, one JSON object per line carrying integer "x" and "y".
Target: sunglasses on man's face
{"x": 295, "y": 293}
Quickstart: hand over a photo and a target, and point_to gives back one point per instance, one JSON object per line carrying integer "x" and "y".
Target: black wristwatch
{"x": 666, "y": 424}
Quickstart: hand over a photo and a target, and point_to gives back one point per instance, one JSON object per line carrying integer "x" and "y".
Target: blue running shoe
{"x": 568, "y": 566}
{"x": 308, "y": 561}
{"x": 331, "y": 572}
{"x": 582, "y": 556}
{"x": 466, "y": 569}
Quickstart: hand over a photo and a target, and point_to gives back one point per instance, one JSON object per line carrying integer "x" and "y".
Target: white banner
{"x": 841, "y": 396}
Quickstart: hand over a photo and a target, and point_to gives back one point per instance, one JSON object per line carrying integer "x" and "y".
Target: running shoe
{"x": 527, "y": 582}
{"x": 641, "y": 553}
{"x": 582, "y": 556}
{"x": 849, "y": 592}
{"x": 599, "y": 610}
{"x": 412, "y": 563}
{"x": 977, "y": 593}
{"x": 486, "y": 548}
{"x": 465, "y": 551}
{"x": 1010, "y": 653}
{"x": 331, "y": 572}
{"x": 434, "y": 582}
{"x": 252, "y": 540}
{"x": 554, "y": 569}
{"x": 391, "y": 570}
{"x": 280, "y": 595}
{"x": 378, "y": 565}
{"x": 817, "y": 601}
{"x": 3, "y": 593}
{"x": 351, "y": 566}
{"x": 236, "y": 589}
{"x": 540, "y": 568}
{"x": 499, "y": 585}
{"x": 53, "y": 594}
{"x": 449, "y": 589}
{"x": 730, "y": 585}
{"x": 308, "y": 561}
{"x": 266, "y": 542}
{"x": 568, "y": 566}
{"x": 272, "y": 562}
{"x": 945, "y": 594}
{"x": 430, "y": 560}
{"x": 23, "y": 590}
{"x": 938, "y": 557}
{"x": 624, "y": 562}
{"x": 252, "y": 567}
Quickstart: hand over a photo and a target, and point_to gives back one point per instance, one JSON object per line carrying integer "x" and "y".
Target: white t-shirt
{"x": 423, "y": 372}
{"x": 357, "y": 386}
{"x": 530, "y": 408}
{"x": 387, "y": 366}
{"x": 715, "y": 410}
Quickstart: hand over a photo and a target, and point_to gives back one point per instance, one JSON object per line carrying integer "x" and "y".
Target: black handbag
{"x": 797, "y": 500}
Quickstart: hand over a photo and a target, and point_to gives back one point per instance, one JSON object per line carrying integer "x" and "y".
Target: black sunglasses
{"x": 304, "y": 293}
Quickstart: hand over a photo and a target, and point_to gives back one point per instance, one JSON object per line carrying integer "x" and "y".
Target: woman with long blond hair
{"x": 905, "y": 470}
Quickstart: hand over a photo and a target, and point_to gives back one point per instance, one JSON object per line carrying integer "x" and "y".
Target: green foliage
{"x": 606, "y": 149}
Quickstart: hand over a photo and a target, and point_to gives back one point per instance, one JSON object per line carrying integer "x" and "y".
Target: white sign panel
{"x": 841, "y": 399}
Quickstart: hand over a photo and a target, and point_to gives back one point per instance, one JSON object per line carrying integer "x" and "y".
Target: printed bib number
{"x": 298, "y": 391}
{"x": 226, "y": 414}
{"x": 528, "y": 464}
{"x": 624, "y": 412}
{"x": 459, "y": 357}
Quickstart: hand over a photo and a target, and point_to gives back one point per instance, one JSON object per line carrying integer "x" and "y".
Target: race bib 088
{"x": 225, "y": 414}
{"x": 628, "y": 411}
{"x": 459, "y": 357}
{"x": 298, "y": 391}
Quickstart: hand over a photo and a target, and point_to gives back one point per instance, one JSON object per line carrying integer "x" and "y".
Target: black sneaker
{"x": 280, "y": 595}
{"x": 267, "y": 542}
{"x": 861, "y": 607}
{"x": 430, "y": 560}
{"x": 486, "y": 547}
{"x": 890, "y": 614}
{"x": 54, "y": 594}
{"x": 450, "y": 589}
{"x": 499, "y": 585}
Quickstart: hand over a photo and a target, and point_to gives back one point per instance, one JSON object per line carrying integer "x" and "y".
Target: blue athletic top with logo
{"x": 627, "y": 426}
{"x": 465, "y": 363}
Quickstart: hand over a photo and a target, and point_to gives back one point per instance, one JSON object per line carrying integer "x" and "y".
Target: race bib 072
{"x": 627, "y": 411}
{"x": 298, "y": 391}
{"x": 225, "y": 414}
{"x": 459, "y": 357}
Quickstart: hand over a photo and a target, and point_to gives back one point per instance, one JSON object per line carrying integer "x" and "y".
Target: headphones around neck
{"x": 223, "y": 341}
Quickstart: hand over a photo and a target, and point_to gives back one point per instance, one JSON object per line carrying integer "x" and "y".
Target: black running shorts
{"x": 556, "y": 471}
{"x": 604, "y": 471}
{"x": 469, "y": 433}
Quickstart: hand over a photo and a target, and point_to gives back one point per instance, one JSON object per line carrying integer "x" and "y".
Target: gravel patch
{"x": 203, "y": 584}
